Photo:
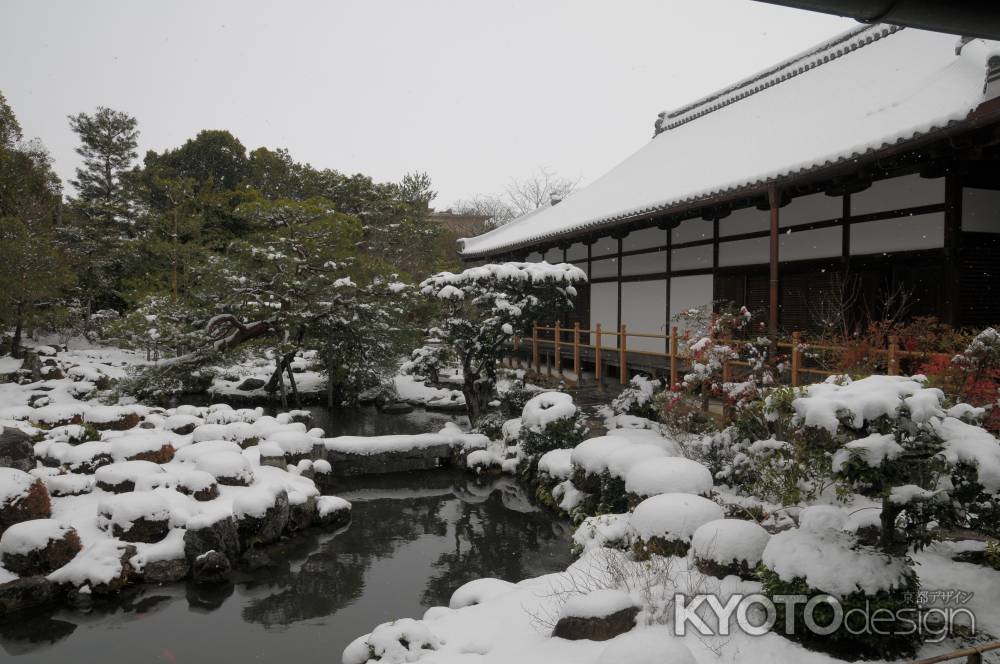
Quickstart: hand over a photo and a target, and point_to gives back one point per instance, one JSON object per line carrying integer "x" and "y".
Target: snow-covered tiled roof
{"x": 868, "y": 88}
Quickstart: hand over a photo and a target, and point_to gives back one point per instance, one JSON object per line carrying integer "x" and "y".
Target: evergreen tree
{"x": 33, "y": 271}
{"x": 108, "y": 140}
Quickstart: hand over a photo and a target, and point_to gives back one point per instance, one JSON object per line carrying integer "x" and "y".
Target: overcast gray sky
{"x": 472, "y": 92}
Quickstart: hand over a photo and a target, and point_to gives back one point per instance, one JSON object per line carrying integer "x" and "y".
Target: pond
{"x": 414, "y": 539}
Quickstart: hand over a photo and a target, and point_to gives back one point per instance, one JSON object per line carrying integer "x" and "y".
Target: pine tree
{"x": 108, "y": 140}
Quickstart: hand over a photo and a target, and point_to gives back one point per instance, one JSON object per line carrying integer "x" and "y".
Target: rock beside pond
{"x": 251, "y": 384}
{"x": 26, "y": 593}
{"x": 16, "y": 449}
{"x": 261, "y": 516}
{"x": 332, "y": 511}
{"x": 22, "y": 498}
{"x": 302, "y": 515}
{"x": 38, "y": 546}
{"x": 204, "y": 535}
{"x": 135, "y": 517}
{"x": 598, "y": 616}
{"x": 165, "y": 571}
{"x": 211, "y": 567}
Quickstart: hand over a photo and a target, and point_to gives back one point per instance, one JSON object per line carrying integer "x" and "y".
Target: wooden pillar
{"x": 774, "y": 198}
{"x": 558, "y": 347}
{"x": 619, "y": 262}
{"x": 673, "y": 356}
{"x": 796, "y": 358}
{"x": 598, "y": 378}
{"x": 576, "y": 350}
{"x": 952, "y": 249}
{"x": 534, "y": 347}
{"x": 622, "y": 355}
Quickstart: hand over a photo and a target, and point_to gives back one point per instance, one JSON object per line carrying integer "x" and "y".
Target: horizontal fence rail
{"x": 972, "y": 654}
{"x": 571, "y": 343}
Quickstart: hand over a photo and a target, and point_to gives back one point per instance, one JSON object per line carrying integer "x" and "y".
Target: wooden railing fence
{"x": 573, "y": 341}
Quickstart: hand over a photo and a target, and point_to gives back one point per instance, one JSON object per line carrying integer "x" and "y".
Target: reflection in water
{"x": 414, "y": 539}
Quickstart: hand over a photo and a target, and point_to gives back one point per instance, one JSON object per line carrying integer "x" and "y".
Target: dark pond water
{"x": 414, "y": 539}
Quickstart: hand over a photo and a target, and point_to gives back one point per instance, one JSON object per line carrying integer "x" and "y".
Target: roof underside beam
{"x": 970, "y": 18}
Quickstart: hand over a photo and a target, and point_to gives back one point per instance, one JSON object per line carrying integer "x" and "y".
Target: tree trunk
{"x": 887, "y": 536}
{"x": 281, "y": 383}
{"x": 477, "y": 392}
{"x": 15, "y": 341}
{"x": 295, "y": 389}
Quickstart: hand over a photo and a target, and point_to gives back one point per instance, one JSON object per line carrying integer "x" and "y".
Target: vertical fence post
{"x": 534, "y": 347}
{"x": 514, "y": 359}
{"x": 558, "y": 347}
{"x": 598, "y": 378}
{"x": 576, "y": 351}
{"x": 796, "y": 358}
{"x": 893, "y": 356}
{"x": 673, "y": 356}
{"x": 622, "y": 358}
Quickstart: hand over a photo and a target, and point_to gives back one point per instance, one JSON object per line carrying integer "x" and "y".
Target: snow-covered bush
{"x": 729, "y": 546}
{"x": 427, "y": 361}
{"x": 491, "y": 425}
{"x": 663, "y": 525}
{"x": 517, "y": 394}
{"x": 550, "y": 421}
{"x": 637, "y": 399}
{"x": 863, "y": 580}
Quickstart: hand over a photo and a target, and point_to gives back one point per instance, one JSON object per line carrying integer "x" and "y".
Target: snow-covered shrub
{"x": 550, "y": 421}
{"x": 491, "y": 425}
{"x": 486, "y": 305}
{"x": 427, "y": 361}
{"x": 517, "y": 394}
{"x": 637, "y": 399}
{"x": 729, "y": 546}
{"x": 604, "y": 530}
{"x": 663, "y": 525}
{"x": 863, "y": 580}
{"x": 667, "y": 475}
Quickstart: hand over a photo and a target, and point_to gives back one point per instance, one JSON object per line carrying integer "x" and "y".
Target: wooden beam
{"x": 774, "y": 198}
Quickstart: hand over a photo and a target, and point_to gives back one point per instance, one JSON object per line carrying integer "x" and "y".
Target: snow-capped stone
{"x": 142, "y": 447}
{"x": 598, "y": 616}
{"x": 38, "y": 546}
{"x": 22, "y": 497}
{"x": 135, "y": 517}
{"x": 229, "y": 468}
{"x": 123, "y": 476}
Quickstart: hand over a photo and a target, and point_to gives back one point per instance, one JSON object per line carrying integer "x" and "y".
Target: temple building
{"x": 863, "y": 173}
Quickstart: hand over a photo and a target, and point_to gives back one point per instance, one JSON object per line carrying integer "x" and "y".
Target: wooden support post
{"x": 534, "y": 347}
{"x": 558, "y": 348}
{"x": 796, "y": 358}
{"x": 673, "y": 357}
{"x": 622, "y": 355}
{"x": 598, "y": 378}
{"x": 774, "y": 198}
{"x": 893, "y": 360}
{"x": 576, "y": 350}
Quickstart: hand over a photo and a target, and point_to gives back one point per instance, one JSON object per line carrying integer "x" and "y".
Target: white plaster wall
{"x": 644, "y": 309}
{"x": 604, "y": 310}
